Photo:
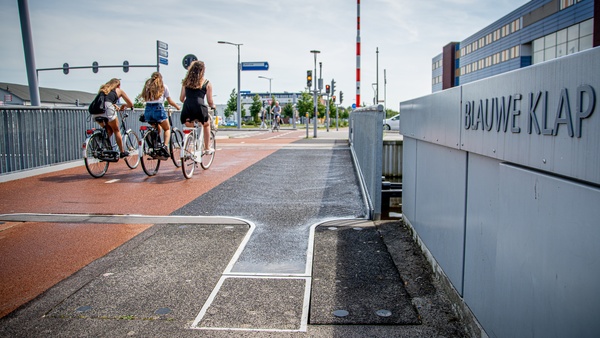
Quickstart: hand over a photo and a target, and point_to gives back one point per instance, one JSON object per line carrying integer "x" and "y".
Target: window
{"x": 564, "y": 42}
{"x": 568, "y": 3}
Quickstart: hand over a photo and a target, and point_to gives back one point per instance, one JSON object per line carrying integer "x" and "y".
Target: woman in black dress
{"x": 194, "y": 89}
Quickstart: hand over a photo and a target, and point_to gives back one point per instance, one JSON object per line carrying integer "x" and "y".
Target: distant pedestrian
{"x": 194, "y": 89}
{"x": 155, "y": 93}
{"x": 112, "y": 90}
{"x": 263, "y": 114}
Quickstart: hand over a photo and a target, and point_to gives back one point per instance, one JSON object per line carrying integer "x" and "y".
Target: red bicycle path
{"x": 34, "y": 256}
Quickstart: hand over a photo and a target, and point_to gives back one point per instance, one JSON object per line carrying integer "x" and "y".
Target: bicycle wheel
{"x": 187, "y": 163}
{"x": 93, "y": 149}
{"x": 175, "y": 146}
{"x": 150, "y": 163}
{"x": 207, "y": 159}
{"x": 131, "y": 143}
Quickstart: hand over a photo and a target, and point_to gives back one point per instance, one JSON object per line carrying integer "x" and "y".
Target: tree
{"x": 138, "y": 102}
{"x": 231, "y": 107}
{"x": 389, "y": 113}
{"x": 255, "y": 108}
{"x": 305, "y": 104}
{"x": 288, "y": 110}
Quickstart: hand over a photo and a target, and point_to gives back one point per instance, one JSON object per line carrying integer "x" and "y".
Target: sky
{"x": 408, "y": 34}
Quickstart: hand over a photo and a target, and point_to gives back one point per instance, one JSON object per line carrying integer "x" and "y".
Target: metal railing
{"x": 33, "y": 137}
{"x": 366, "y": 144}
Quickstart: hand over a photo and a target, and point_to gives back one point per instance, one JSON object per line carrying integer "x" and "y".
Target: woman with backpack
{"x": 112, "y": 93}
{"x": 155, "y": 93}
{"x": 194, "y": 89}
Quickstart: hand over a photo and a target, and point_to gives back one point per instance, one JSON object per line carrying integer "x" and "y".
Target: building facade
{"x": 538, "y": 31}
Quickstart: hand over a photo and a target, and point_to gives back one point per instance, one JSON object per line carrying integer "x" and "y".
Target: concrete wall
{"x": 512, "y": 216}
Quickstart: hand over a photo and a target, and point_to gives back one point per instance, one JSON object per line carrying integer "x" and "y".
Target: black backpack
{"x": 97, "y": 105}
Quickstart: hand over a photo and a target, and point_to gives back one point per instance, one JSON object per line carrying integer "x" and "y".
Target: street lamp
{"x": 315, "y": 52}
{"x": 239, "y": 68}
{"x": 268, "y": 78}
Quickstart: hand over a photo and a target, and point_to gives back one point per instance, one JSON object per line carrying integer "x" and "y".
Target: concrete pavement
{"x": 269, "y": 241}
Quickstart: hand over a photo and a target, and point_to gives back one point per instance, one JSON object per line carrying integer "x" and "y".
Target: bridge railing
{"x": 366, "y": 144}
{"x": 33, "y": 137}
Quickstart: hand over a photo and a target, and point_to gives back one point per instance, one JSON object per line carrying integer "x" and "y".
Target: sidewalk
{"x": 303, "y": 263}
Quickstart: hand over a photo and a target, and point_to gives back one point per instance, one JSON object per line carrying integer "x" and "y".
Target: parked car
{"x": 393, "y": 123}
{"x": 230, "y": 124}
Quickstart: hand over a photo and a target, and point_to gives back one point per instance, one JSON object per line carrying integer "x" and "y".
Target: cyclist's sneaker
{"x": 209, "y": 151}
{"x": 163, "y": 153}
{"x": 124, "y": 154}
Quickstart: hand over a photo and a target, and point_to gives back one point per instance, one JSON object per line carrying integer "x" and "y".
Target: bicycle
{"x": 176, "y": 142}
{"x": 193, "y": 152}
{"x": 275, "y": 125}
{"x": 151, "y": 148}
{"x": 99, "y": 151}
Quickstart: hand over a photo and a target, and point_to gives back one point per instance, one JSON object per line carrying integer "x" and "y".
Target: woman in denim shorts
{"x": 155, "y": 93}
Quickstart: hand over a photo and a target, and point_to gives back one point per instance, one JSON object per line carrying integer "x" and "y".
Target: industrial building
{"x": 538, "y": 31}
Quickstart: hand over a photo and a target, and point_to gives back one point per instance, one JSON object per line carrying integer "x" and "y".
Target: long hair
{"x": 194, "y": 78}
{"x": 154, "y": 87}
{"x": 110, "y": 86}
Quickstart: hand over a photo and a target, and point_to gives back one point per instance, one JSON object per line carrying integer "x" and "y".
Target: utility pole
{"x": 34, "y": 90}
{"x": 377, "y": 76}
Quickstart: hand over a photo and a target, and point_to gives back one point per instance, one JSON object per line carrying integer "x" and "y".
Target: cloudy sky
{"x": 281, "y": 32}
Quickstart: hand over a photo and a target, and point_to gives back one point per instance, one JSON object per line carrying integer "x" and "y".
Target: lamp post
{"x": 268, "y": 78}
{"x": 315, "y": 52}
{"x": 239, "y": 68}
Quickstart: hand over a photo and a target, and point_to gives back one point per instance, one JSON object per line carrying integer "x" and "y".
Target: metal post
{"x": 239, "y": 97}
{"x": 34, "y": 90}
{"x": 327, "y": 114}
{"x": 315, "y": 52}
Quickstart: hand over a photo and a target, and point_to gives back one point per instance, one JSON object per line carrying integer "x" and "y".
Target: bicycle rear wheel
{"x": 175, "y": 146}
{"x": 131, "y": 143}
{"x": 207, "y": 159}
{"x": 188, "y": 164}
{"x": 150, "y": 163}
{"x": 92, "y": 158}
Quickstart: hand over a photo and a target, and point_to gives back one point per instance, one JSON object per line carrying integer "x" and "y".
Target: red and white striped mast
{"x": 357, "y": 53}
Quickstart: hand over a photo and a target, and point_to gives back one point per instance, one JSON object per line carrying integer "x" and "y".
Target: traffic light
{"x": 309, "y": 78}
{"x": 327, "y": 88}
{"x": 341, "y": 97}
{"x": 332, "y": 87}
{"x": 125, "y": 66}
{"x": 333, "y": 98}
{"x": 95, "y": 67}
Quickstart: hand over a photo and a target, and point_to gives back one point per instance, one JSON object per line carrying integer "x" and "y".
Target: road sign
{"x": 187, "y": 60}
{"x": 162, "y": 45}
{"x": 354, "y": 106}
{"x": 255, "y": 65}
{"x": 163, "y": 53}
{"x": 163, "y": 61}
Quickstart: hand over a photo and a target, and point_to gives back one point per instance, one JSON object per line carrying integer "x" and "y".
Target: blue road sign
{"x": 163, "y": 61}
{"x": 255, "y": 65}
{"x": 354, "y": 106}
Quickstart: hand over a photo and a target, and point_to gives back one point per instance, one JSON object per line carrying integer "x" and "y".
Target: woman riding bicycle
{"x": 194, "y": 89}
{"x": 112, "y": 90}
{"x": 154, "y": 93}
